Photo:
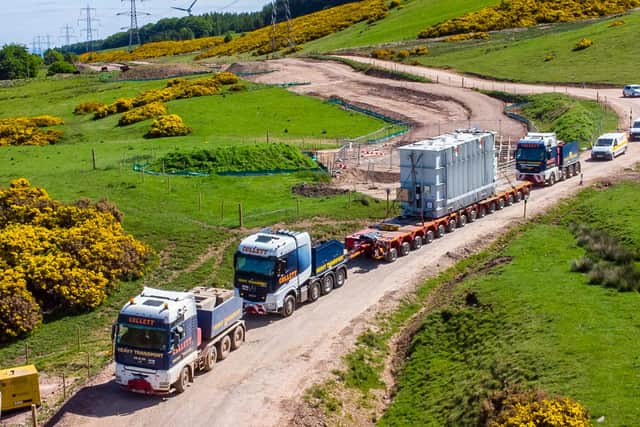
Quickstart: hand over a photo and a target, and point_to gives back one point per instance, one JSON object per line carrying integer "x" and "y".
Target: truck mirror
{"x": 114, "y": 331}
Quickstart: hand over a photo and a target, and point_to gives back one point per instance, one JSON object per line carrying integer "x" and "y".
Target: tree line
{"x": 208, "y": 24}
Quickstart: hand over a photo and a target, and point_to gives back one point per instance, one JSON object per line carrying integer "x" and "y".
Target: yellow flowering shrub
{"x": 59, "y": 257}
{"x": 467, "y": 36}
{"x": 140, "y": 114}
{"x": 526, "y": 13}
{"x": 616, "y": 23}
{"x": 582, "y": 44}
{"x": 153, "y": 50}
{"x": 382, "y": 53}
{"x": 303, "y": 29}
{"x": 27, "y": 130}
{"x": 169, "y": 125}
{"x": 87, "y": 107}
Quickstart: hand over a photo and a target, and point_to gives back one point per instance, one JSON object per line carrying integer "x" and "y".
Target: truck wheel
{"x": 392, "y": 255}
{"x": 510, "y": 200}
{"x": 327, "y": 284}
{"x": 441, "y": 231}
{"x": 500, "y": 204}
{"x": 452, "y": 226}
{"x": 473, "y": 215}
{"x": 416, "y": 243}
{"x": 578, "y": 168}
{"x": 314, "y": 291}
{"x": 341, "y": 275}
{"x": 210, "y": 358}
{"x": 482, "y": 212}
{"x": 429, "y": 236}
{"x": 224, "y": 347}
{"x": 183, "y": 380}
{"x": 237, "y": 337}
{"x": 552, "y": 179}
{"x": 518, "y": 196}
{"x": 405, "y": 248}
{"x": 289, "y": 306}
{"x": 462, "y": 220}
{"x": 492, "y": 207}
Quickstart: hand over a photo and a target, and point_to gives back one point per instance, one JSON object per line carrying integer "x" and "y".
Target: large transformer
{"x": 447, "y": 173}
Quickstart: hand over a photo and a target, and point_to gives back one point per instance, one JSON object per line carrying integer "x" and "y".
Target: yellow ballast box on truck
{"x": 19, "y": 387}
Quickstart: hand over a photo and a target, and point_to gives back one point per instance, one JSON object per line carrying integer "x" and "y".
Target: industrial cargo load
{"x": 446, "y": 173}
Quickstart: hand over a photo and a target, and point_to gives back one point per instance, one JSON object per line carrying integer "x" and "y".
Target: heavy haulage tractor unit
{"x": 277, "y": 270}
{"x": 163, "y": 337}
{"x": 542, "y": 159}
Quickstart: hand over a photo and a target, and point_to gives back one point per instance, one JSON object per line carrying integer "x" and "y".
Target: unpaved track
{"x": 257, "y": 383}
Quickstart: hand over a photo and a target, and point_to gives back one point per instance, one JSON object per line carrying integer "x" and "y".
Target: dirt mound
{"x": 317, "y": 190}
{"x": 250, "y": 68}
{"x": 161, "y": 71}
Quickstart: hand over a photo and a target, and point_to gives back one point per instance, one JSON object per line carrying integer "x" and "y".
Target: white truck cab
{"x": 609, "y": 145}
{"x": 634, "y": 130}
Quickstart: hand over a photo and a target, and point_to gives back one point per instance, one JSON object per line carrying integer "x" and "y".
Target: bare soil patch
{"x": 317, "y": 190}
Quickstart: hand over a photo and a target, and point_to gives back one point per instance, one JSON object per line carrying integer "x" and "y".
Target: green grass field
{"x": 537, "y": 325}
{"x": 520, "y": 55}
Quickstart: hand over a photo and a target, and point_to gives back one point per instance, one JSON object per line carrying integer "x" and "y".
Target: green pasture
{"x": 537, "y": 324}
{"x": 544, "y": 54}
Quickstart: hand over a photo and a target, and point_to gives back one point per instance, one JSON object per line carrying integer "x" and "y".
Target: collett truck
{"x": 163, "y": 337}
{"x": 276, "y": 270}
{"x": 542, "y": 159}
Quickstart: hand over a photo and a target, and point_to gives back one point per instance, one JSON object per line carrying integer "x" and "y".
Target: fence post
{"x": 240, "y": 215}
{"x": 93, "y": 158}
{"x": 88, "y": 365}
{"x": 388, "y": 193}
{"x": 26, "y": 352}
{"x": 34, "y": 415}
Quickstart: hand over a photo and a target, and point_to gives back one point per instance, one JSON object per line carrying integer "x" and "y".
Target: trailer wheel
{"x": 341, "y": 275}
{"x": 210, "y": 358}
{"x": 392, "y": 255}
{"x": 183, "y": 380}
{"x": 451, "y": 226}
{"x": 405, "y": 248}
{"x": 237, "y": 337}
{"x": 429, "y": 236}
{"x": 462, "y": 220}
{"x": 289, "y": 306}
{"x": 314, "y": 291}
{"x": 327, "y": 284}
{"x": 500, "y": 204}
{"x": 441, "y": 231}
{"x": 578, "y": 168}
{"x": 492, "y": 207}
{"x": 416, "y": 243}
{"x": 482, "y": 212}
{"x": 518, "y": 196}
{"x": 510, "y": 200}
{"x": 473, "y": 215}
{"x": 224, "y": 347}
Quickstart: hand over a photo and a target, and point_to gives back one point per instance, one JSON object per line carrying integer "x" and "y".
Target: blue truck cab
{"x": 276, "y": 270}
{"x": 542, "y": 159}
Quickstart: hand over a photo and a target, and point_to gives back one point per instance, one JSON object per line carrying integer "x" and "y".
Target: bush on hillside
{"x": 168, "y": 125}
{"x": 87, "y": 107}
{"x": 58, "y": 258}
{"x": 140, "y": 114}
{"x": 28, "y": 130}
{"x": 60, "y": 67}
{"x": 582, "y": 44}
{"x": 468, "y": 36}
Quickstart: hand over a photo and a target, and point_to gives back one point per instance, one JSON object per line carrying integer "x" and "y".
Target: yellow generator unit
{"x": 19, "y": 387}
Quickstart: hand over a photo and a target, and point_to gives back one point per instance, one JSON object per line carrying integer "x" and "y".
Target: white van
{"x": 634, "y": 131}
{"x": 609, "y": 145}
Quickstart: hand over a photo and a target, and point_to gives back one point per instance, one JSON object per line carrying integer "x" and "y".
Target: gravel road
{"x": 257, "y": 384}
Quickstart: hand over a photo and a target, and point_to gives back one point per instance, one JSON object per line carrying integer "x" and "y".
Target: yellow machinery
{"x": 19, "y": 387}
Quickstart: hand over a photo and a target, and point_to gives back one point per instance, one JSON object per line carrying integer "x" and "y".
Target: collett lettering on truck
{"x": 141, "y": 321}
{"x": 254, "y": 250}
{"x": 288, "y": 276}
{"x": 185, "y": 344}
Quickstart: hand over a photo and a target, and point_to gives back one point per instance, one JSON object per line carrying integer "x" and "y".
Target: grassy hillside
{"x": 403, "y": 23}
{"x": 520, "y": 55}
{"x": 537, "y": 324}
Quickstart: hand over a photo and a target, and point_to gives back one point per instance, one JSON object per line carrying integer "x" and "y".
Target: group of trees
{"x": 17, "y": 63}
{"x": 208, "y": 24}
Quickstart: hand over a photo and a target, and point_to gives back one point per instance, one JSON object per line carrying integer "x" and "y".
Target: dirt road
{"x": 257, "y": 384}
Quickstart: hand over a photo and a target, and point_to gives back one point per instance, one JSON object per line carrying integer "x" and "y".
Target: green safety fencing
{"x": 144, "y": 168}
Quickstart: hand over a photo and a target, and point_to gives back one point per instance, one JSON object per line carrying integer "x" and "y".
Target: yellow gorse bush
{"x": 27, "y": 130}
{"x": 87, "y": 107}
{"x": 169, "y": 125}
{"x": 468, "y": 36}
{"x": 174, "y": 89}
{"x": 58, "y": 257}
{"x": 140, "y": 114}
{"x": 526, "y": 13}
{"x": 153, "y": 50}
{"x": 583, "y": 44}
{"x": 303, "y": 29}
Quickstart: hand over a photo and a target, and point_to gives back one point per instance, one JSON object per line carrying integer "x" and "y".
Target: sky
{"x": 23, "y": 21}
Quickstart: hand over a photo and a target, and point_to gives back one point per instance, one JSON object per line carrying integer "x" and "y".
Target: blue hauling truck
{"x": 277, "y": 270}
{"x": 163, "y": 337}
{"x": 542, "y": 159}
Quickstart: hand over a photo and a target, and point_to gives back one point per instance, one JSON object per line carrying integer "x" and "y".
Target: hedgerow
{"x": 140, "y": 114}
{"x": 526, "y": 13}
{"x": 153, "y": 50}
{"x": 27, "y": 130}
{"x": 58, "y": 258}
{"x": 168, "y": 125}
{"x": 303, "y": 29}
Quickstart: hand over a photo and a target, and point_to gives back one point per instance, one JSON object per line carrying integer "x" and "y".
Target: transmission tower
{"x": 88, "y": 25}
{"x": 68, "y": 30}
{"x": 274, "y": 22}
{"x": 134, "y": 31}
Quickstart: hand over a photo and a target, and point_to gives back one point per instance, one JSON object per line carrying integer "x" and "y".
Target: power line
{"x": 274, "y": 21}
{"x": 134, "y": 31}
{"x": 88, "y": 22}
{"x": 68, "y": 30}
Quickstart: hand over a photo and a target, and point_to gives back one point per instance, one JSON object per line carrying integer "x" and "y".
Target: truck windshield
{"x": 636, "y": 124}
{"x": 530, "y": 154}
{"x": 142, "y": 337}
{"x": 256, "y": 265}
{"x": 604, "y": 142}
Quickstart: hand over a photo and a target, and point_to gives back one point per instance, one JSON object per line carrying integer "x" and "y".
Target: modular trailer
{"x": 163, "y": 337}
